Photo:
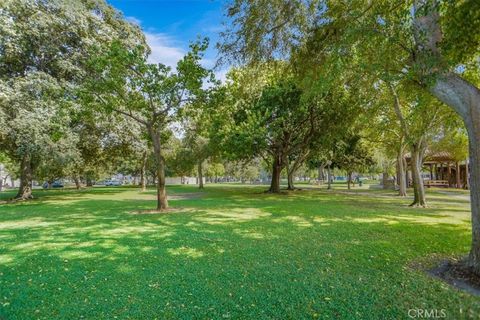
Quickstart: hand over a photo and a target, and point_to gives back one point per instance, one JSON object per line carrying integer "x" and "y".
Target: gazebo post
{"x": 431, "y": 171}
{"x": 441, "y": 171}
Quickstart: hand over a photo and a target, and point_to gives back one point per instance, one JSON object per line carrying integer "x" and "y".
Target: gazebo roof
{"x": 432, "y": 157}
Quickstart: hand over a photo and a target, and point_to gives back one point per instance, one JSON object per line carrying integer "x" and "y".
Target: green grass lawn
{"x": 231, "y": 252}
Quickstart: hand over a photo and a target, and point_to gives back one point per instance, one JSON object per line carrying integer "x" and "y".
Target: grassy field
{"x": 230, "y": 252}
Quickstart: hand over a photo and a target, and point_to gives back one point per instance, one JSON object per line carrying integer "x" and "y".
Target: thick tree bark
{"x": 143, "y": 171}
{"x": 276, "y": 172}
{"x": 464, "y": 98}
{"x": 418, "y": 187}
{"x": 162, "y": 202}
{"x": 349, "y": 180}
{"x": 200, "y": 174}
{"x": 25, "y": 189}
{"x": 402, "y": 183}
{"x": 473, "y": 127}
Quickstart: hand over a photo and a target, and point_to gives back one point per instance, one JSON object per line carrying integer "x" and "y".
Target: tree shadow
{"x": 232, "y": 251}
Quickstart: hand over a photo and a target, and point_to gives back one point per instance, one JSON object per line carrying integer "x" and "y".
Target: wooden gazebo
{"x": 443, "y": 170}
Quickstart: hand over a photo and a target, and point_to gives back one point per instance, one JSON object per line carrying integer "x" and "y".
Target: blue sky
{"x": 171, "y": 25}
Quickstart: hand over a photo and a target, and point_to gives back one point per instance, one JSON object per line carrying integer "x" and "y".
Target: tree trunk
{"x": 385, "y": 180}
{"x": 76, "y": 179}
{"x": 89, "y": 182}
{"x": 162, "y": 202}
{"x": 321, "y": 174}
{"x": 464, "y": 98}
{"x": 25, "y": 189}
{"x": 473, "y": 128}
{"x": 329, "y": 177}
{"x": 457, "y": 175}
{"x": 276, "y": 171}
{"x": 460, "y": 95}
{"x": 418, "y": 187}
{"x": 200, "y": 174}
{"x": 349, "y": 180}
{"x": 402, "y": 183}
{"x": 143, "y": 171}
{"x": 290, "y": 180}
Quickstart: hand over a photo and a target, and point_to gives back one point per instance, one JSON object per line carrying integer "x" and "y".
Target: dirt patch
{"x": 457, "y": 274}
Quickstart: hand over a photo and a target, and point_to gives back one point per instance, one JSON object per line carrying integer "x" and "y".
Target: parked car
{"x": 113, "y": 183}
{"x": 55, "y": 184}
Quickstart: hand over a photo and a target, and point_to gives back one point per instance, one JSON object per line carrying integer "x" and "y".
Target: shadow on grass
{"x": 232, "y": 252}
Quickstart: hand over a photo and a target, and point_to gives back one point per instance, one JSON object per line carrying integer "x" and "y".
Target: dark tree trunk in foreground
{"x": 402, "y": 181}
{"x": 473, "y": 127}
{"x": 143, "y": 171}
{"x": 349, "y": 180}
{"x": 276, "y": 171}
{"x": 162, "y": 202}
{"x": 200, "y": 174}
{"x": 460, "y": 95}
{"x": 25, "y": 189}
{"x": 418, "y": 187}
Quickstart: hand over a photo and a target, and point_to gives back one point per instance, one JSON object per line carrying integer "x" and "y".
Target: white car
{"x": 113, "y": 183}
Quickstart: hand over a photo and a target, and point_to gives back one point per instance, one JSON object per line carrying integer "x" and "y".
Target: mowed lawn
{"x": 231, "y": 252}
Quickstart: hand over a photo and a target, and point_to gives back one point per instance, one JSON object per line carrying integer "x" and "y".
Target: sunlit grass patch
{"x": 230, "y": 249}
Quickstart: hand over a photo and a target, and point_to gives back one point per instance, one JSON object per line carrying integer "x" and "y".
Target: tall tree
{"x": 153, "y": 95}
{"x": 352, "y": 155}
{"x": 44, "y": 46}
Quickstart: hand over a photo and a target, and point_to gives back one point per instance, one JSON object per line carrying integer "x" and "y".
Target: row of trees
{"x": 87, "y": 102}
{"x": 419, "y": 53}
{"x": 328, "y": 84}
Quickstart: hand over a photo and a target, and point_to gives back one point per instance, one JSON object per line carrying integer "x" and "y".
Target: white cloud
{"x": 164, "y": 49}
{"x": 221, "y": 75}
